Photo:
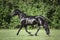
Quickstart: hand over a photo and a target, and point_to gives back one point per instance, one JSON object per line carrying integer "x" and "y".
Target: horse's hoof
{"x": 31, "y": 35}
{"x": 29, "y": 32}
{"x": 17, "y": 34}
{"x": 35, "y": 34}
{"x": 48, "y": 35}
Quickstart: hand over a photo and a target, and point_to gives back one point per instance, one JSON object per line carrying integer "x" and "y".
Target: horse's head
{"x": 19, "y": 13}
{"x": 15, "y": 12}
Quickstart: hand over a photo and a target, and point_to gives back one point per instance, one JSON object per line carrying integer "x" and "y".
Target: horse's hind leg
{"x": 37, "y": 30}
{"x": 19, "y": 29}
{"x": 27, "y": 31}
{"x": 47, "y": 29}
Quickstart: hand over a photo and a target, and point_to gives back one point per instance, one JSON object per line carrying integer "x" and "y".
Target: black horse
{"x": 26, "y": 20}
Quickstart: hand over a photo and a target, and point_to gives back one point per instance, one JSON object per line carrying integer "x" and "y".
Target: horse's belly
{"x": 31, "y": 22}
{"x": 28, "y": 21}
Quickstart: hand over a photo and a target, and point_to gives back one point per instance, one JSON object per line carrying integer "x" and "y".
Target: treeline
{"x": 47, "y": 8}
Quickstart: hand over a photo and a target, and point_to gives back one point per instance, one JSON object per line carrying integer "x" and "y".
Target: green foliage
{"x": 30, "y": 7}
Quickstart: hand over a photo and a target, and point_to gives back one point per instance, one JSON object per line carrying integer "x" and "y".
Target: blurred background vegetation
{"x": 47, "y": 8}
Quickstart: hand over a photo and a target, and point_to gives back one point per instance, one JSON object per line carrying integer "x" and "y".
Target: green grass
{"x": 10, "y": 34}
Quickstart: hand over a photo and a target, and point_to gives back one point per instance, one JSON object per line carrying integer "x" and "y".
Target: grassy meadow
{"x": 10, "y": 34}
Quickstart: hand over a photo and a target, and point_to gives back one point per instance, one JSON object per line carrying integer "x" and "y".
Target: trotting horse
{"x": 26, "y": 20}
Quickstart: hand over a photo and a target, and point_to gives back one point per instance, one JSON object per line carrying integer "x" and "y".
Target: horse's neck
{"x": 22, "y": 16}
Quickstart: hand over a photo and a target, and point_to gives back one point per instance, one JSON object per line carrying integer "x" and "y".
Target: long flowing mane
{"x": 21, "y": 12}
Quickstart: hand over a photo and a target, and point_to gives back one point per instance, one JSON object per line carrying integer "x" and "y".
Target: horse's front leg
{"x": 37, "y": 30}
{"x": 19, "y": 29}
{"x": 27, "y": 31}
